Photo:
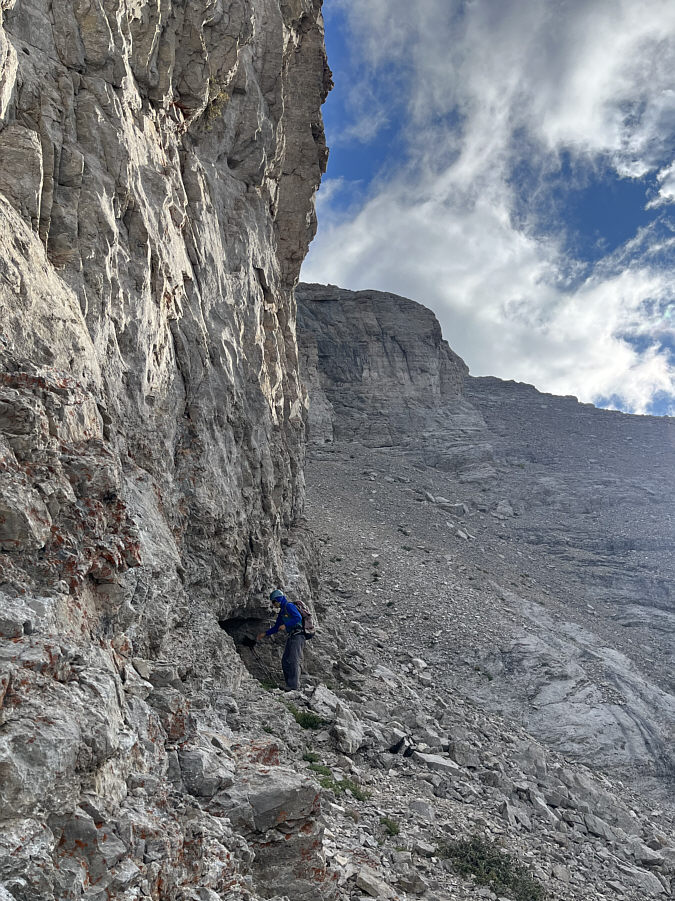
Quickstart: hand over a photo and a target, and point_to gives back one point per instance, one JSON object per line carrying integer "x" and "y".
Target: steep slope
{"x": 547, "y": 586}
{"x": 158, "y": 162}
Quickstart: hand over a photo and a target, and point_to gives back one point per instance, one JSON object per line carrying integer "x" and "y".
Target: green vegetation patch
{"x": 390, "y": 825}
{"x": 344, "y": 785}
{"x": 491, "y": 866}
{"x": 306, "y": 718}
{"x": 320, "y": 768}
{"x": 311, "y": 757}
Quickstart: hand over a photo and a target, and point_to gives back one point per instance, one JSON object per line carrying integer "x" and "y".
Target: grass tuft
{"x": 390, "y": 825}
{"x": 491, "y": 866}
{"x": 344, "y": 785}
{"x": 306, "y": 718}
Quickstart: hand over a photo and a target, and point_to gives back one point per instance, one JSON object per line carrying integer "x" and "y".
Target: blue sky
{"x": 512, "y": 166}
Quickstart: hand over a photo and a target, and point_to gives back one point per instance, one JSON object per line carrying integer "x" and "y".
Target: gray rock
{"x": 281, "y": 797}
{"x": 370, "y": 882}
{"x": 401, "y": 381}
{"x": 598, "y": 827}
{"x": 413, "y": 883}
{"x": 157, "y": 169}
{"x": 644, "y": 855}
{"x": 646, "y": 882}
{"x": 438, "y": 763}
{"x": 463, "y": 754}
{"x": 324, "y": 701}
{"x": 424, "y": 809}
{"x": 348, "y": 730}
{"x": 204, "y": 771}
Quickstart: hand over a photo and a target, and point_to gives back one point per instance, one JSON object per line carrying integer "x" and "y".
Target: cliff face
{"x": 379, "y": 372}
{"x": 158, "y": 162}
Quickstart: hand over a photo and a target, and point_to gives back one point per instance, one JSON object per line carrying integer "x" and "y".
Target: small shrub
{"x": 491, "y": 866}
{"x": 268, "y": 685}
{"x": 267, "y": 729}
{"x": 390, "y": 825}
{"x": 306, "y": 718}
{"x": 320, "y": 768}
{"x": 311, "y": 757}
{"x": 217, "y": 104}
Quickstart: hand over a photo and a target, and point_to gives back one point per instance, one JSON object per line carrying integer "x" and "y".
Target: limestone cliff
{"x": 158, "y": 162}
{"x": 379, "y": 372}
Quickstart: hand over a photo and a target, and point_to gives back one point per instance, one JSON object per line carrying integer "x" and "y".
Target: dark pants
{"x": 292, "y": 659}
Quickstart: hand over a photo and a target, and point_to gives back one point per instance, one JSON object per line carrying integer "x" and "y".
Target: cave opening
{"x": 259, "y": 657}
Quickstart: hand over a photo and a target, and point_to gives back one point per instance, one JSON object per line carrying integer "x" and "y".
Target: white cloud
{"x": 666, "y": 179}
{"x": 589, "y": 76}
{"x": 494, "y": 292}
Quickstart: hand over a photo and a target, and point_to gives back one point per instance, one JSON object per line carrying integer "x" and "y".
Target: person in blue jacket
{"x": 289, "y": 620}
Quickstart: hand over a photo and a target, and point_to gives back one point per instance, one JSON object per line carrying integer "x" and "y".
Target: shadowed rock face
{"x": 158, "y": 162}
{"x": 548, "y": 585}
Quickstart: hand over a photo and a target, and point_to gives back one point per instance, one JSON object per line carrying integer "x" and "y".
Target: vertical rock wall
{"x": 158, "y": 162}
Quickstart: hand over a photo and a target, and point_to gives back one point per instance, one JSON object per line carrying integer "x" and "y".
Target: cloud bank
{"x": 506, "y": 113}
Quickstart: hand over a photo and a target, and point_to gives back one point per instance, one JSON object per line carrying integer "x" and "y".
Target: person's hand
{"x": 260, "y": 637}
{"x": 282, "y": 628}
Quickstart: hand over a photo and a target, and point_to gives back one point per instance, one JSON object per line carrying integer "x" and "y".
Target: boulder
{"x": 281, "y": 797}
{"x": 438, "y": 763}
{"x": 324, "y": 701}
{"x": 205, "y": 771}
{"x": 369, "y": 881}
{"x": 348, "y": 731}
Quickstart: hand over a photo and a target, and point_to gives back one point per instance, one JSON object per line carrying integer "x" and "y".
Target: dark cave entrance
{"x": 259, "y": 657}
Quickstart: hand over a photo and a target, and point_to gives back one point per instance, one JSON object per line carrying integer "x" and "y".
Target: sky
{"x": 510, "y": 164}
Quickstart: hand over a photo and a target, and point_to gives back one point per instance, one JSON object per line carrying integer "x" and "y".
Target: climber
{"x": 289, "y": 620}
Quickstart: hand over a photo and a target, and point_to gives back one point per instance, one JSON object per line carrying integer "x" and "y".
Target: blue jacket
{"x": 289, "y": 616}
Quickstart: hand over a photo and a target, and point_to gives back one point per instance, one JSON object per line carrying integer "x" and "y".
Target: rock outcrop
{"x": 379, "y": 372}
{"x": 158, "y": 162}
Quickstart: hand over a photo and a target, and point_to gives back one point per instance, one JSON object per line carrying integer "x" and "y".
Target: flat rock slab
{"x": 369, "y": 881}
{"x": 437, "y": 762}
